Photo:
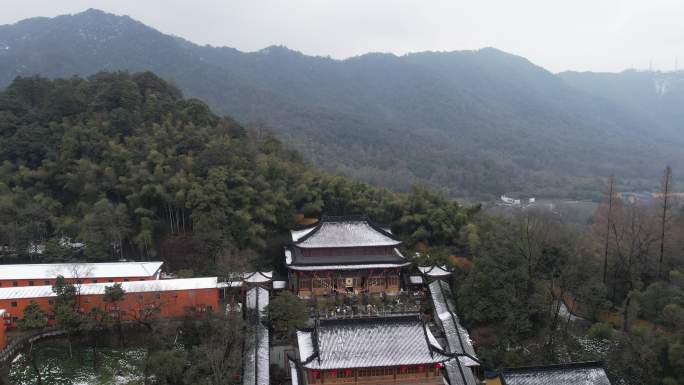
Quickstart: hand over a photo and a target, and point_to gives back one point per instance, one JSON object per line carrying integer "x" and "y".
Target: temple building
{"x": 378, "y": 350}
{"x": 344, "y": 255}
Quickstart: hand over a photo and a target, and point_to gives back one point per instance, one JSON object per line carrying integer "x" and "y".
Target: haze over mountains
{"x": 475, "y": 123}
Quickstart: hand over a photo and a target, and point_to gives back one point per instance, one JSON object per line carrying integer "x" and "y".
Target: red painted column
{"x": 3, "y": 330}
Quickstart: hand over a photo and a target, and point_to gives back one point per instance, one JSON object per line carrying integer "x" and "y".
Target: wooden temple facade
{"x": 344, "y": 255}
{"x": 395, "y": 350}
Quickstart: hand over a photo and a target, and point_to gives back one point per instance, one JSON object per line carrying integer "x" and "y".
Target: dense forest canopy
{"x": 123, "y": 164}
{"x": 471, "y": 123}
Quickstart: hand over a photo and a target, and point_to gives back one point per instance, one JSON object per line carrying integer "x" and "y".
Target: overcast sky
{"x": 598, "y": 35}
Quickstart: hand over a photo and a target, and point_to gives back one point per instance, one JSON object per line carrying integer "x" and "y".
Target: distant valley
{"x": 472, "y": 123}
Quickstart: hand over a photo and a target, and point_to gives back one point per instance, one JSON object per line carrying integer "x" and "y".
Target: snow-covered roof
{"x": 373, "y": 342}
{"x": 435, "y": 271}
{"x": 298, "y": 234}
{"x": 343, "y": 232}
{"x": 288, "y": 256}
{"x": 80, "y": 270}
{"x": 416, "y": 279}
{"x": 459, "y": 374}
{"x": 294, "y": 373}
{"x": 256, "y": 358}
{"x": 258, "y": 276}
{"x": 349, "y": 267}
{"x": 445, "y": 310}
{"x": 257, "y": 298}
{"x": 467, "y": 361}
{"x": 584, "y": 373}
{"x": 222, "y": 285}
{"x": 99, "y": 288}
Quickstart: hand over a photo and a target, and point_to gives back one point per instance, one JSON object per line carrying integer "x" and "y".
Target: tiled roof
{"x": 99, "y": 288}
{"x": 373, "y": 342}
{"x": 294, "y": 257}
{"x": 416, "y": 279}
{"x": 258, "y": 276}
{"x": 80, "y": 270}
{"x": 459, "y": 374}
{"x": 445, "y": 312}
{"x": 256, "y": 354}
{"x": 586, "y": 373}
{"x": 343, "y": 232}
{"x": 434, "y": 271}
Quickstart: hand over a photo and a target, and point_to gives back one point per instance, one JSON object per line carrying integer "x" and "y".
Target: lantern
{"x": 438, "y": 365}
{"x": 301, "y": 273}
{"x": 348, "y": 372}
{"x": 315, "y": 373}
{"x": 403, "y": 368}
{"x": 333, "y": 373}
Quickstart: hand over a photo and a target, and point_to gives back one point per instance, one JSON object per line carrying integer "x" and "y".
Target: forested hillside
{"x": 473, "y": 123}
{"x": 658, "y": 95}
{"x": 125, "y": 165}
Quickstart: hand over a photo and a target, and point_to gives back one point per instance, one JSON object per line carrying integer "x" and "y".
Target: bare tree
{"x": 611, "y": 185}
{"x": 223, "y": 349}
{"x": 146, "y": 308}
{"x": 634, "y": 235}
{"x": 665, "y": 191}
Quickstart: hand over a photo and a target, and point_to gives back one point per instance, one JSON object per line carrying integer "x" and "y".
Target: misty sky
{"x": 596, "y": 35}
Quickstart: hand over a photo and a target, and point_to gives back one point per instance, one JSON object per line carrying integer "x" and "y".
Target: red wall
{"x": 51, "y": 281}
{"x": 171, "y": 304}
{"x": 3, "y": 335}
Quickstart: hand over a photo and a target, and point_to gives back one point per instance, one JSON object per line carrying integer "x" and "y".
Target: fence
{"x": 18, "y": 344}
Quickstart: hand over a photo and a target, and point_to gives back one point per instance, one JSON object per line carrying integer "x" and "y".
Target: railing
{"x": 347, "y": 312}
{"x": 15, "y": 346}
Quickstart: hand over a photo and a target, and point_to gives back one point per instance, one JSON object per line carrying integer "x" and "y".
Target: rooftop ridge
{"x": 344, "y": 219}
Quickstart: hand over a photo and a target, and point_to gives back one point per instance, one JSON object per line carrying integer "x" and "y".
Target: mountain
{"x": 657, "y": 95}
{"x": 125, "y": 165}
{"x": 474, "y": 123}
